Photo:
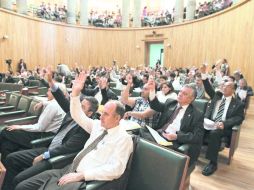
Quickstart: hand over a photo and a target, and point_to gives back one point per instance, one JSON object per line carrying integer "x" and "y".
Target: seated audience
{"x": 180, "y": 122}
{"x": 14, "y": 137}
{"x": 105, "y": 153}
{"x": 70, "y": 138}
{"x": 140, "y": 113}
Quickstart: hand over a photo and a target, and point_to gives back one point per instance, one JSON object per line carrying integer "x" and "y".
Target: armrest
{"x": 6, "y": 108}
{"x": 95, "y": 185}
{"x": 43, "y": 142}
{"x": 12, "y": 113}
{"x": 20, "y": 120}
{"x": 32, "y": 87}
{"x": 61, "y": 160}
{"x": 184, "y": 148}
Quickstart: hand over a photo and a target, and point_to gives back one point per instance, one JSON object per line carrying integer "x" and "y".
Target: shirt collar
{"x": 229, "y": 98}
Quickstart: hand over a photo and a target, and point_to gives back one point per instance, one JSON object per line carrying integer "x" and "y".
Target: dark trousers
{"x": 19, "y": 167}
{"x": 12, "y": 141}
{"x": 48, "y": 180}
{"x": 213, "y": 139}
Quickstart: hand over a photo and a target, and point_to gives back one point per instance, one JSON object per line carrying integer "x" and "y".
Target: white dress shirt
{"x": 227, "y": 102}
{"x": 108, "y": 161}
{"x": 50, "y": 119}
{"x": 176, "y": 124}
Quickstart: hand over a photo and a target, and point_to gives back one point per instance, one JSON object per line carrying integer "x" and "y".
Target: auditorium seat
{"x": 12, "y": 103}
{"x": 20, "y": 111}
{"x": 151, "y": 167}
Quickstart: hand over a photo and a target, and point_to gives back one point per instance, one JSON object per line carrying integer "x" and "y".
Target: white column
{"x": 190, "y": 9}
{"x": 71, "y": 11}
{"x": 125, "y": 13}
{"x": 21, "y": 6}
{"x": 6, "y": 4}
{"x": 179, "y": 6}
{"x": 84, "y": 12}
{"x": 137, "y": 13}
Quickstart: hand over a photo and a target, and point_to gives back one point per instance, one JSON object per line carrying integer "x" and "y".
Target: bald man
{"x": 226, "y": 111}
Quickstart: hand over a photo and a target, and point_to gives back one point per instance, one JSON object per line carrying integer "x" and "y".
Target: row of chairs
{"x": 19, "y": 110}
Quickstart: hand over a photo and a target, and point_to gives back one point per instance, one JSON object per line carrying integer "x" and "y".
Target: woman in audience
{"x": 167, "y": 91}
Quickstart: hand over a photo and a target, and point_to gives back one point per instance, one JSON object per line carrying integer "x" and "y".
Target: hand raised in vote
{"x": 78, "y": 83}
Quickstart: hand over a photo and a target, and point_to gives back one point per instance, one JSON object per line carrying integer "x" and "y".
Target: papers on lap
{"x": 209, "y": 124}
{"x": 129, "y": 125}
{"x": 160, "y": 140}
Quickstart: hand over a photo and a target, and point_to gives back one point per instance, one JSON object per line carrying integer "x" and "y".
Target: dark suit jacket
{"x": 75, "y": 139}
{"x": 235, "y": 112}
{"x": 191, "y": 129}
{"x": 107, "y": 94}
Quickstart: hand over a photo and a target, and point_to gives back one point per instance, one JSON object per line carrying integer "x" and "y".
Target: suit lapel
{"x": 231, "y": 107}
{"x": 186, "y": 118}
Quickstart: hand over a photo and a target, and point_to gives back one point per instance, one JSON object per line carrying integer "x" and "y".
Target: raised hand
{"x": 203, "y": 69}
{"x": 49, "y": 75}
{"x": 78, "y": 83}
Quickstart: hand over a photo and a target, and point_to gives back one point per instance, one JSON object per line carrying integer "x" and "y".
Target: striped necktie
{"x": 85, "y": 151}
{"x": 57, "y": 140}
{"x": 220, "y": 111}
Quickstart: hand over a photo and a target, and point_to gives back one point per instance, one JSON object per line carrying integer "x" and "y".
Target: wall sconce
{"x": 5, "y": 37}
{"x": 169, "y": 45}
{"x": 137, "y": 46}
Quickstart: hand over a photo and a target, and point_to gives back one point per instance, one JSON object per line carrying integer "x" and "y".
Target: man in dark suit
{"x": 102, "y": 92}
{"x": 69, "y": 139}
{"x": 226, "y": 111}
{"x": 180, "y": 122}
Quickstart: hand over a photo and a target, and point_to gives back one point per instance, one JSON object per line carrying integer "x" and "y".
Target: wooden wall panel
{"x": 228, "y": 34}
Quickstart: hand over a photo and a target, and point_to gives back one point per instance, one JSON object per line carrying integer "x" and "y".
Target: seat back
{"x": 31, "y": 110}
{"x": 155, "y": 167}
{"x": 14, "y": 99}
{"x": 116, "y": 91}
{"x": 34, "y": 83}
{"x": 200, "y": 104}
{"x": 24, "y": 103}
{"x": 11, "y": 87}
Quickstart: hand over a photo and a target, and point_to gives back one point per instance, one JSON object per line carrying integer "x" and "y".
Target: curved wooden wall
{"x": 228, "y": 34}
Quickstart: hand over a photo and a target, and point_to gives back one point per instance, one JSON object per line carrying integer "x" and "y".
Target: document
{"x": 209, "y": 124}
{"x": 159, "y": 139}
{"x": 129, "y": 125}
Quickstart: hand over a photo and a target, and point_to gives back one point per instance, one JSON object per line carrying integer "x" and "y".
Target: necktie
{"x": 171, "y": 119}
{"x": 57, "y": 140}
{"x": 220, "y": 111}
{"x": 85, "y": 151}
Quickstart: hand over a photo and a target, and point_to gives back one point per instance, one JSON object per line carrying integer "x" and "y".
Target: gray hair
{"x": 193, "y": 87}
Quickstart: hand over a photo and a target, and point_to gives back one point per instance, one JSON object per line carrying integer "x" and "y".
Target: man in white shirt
{"x": 105, "y": 161}
{"x": 14, "y": 137}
